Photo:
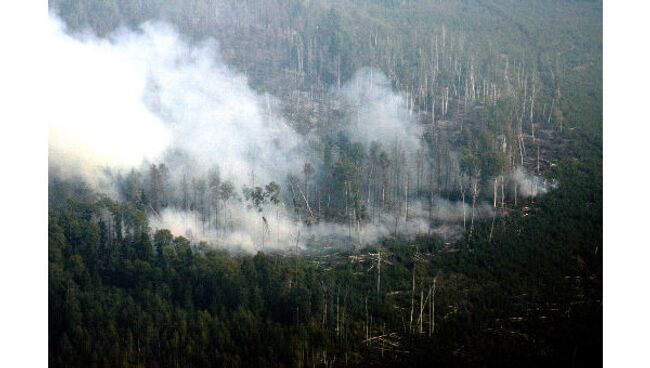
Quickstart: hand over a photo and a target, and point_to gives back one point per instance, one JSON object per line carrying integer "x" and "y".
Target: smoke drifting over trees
{"x": 143, "y": 95}
{"x": 151, "y": 118}
{"x": 370, "y": 183}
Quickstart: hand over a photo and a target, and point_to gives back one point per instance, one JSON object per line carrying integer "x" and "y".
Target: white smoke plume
{"x": 97, "y": 117}
{"x": 148, "y": 96}
{"x": 531, "y": 185}
{"x": 141, "y": 94}
{"x": 380, "y": 114}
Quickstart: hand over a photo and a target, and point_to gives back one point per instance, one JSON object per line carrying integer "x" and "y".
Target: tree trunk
{"x": 433, "y": 307}
{"x": 516, "y": 185}
{"x": 421, "y": 309}
{"x": 494, "y": 198}
{"x": 406, "y": 199}
{"x": 412, "y": 302}
{"x": 462, "y": 195}
{"x": 474, "y": 195}
{"x": 378, "y": 270}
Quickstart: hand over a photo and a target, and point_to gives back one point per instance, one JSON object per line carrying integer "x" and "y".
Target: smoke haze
{"x": 143, "y": 94}
{"x": 148, "y": 96}
{"x": 379, "y": 114}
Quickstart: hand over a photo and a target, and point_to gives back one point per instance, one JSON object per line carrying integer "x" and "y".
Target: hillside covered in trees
{"x": 326, "y": 183}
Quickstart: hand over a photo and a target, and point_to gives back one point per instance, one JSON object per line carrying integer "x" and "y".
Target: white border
{"x": 23, "y": 186}
{"x": 626, "y": 172}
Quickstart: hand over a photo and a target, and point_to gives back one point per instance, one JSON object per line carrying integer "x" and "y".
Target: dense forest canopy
{"x": 303, "y": 183}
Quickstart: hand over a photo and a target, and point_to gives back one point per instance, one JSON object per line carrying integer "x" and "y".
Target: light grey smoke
{"x": 148, "y": 96}
{"x": 97, "y": 116}
{"x": 531, "y": 185}
{"x": 142, "y": 94}
{"x": 378, "y": 113}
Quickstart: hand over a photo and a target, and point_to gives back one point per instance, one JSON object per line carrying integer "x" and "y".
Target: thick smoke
{"x": 97, "y": 116}
{"x": 380, "y": 114}
{"x": 141, "y": 95}
{"x": 148, "y": 96}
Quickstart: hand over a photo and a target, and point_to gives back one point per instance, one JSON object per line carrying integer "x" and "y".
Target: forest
{"x": 326, "y": 183}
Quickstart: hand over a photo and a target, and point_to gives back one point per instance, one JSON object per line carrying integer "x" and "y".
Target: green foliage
{"x": 524, "y": 291}
{"x": 530, "y": 296}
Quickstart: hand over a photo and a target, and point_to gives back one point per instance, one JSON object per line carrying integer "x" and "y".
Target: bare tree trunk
{"x": 550, "y": 112}
{"x": 532, "y": 130}
{"x": 503, "y": 192}
{"x": 383, "y": 193}
{"x": 338, "y": 310}
{"x": 324, "y": 313}
{"x": 263, "y": 232}
{"x": 430, "y": 194}
{"x": 433, "y": 307}
{"x": 345, "y": 297}
{"x": 495, "y": 193}
{"x": 433, "y": 111}
{"x": 406, "y": 199}
{"x": 421, "y": 309}
{"x": 532, "y": 109}
{"x": 367, "y": 324}
{"x": 216, "y": 215}
{"x": 516, "y": 185}
{"x": 522, "y": 149}
{"x": 412, "y": 302}
{"x": 474, "y": 196}
{"x": 462, "y": 195}
{"x": 378, "y": 269}
{"x": 494, "y": 216}
{"x": 347, "y": 212}
{"x": 358, "y": 227}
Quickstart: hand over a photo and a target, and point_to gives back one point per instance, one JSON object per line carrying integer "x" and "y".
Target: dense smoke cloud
{"x": 141, "y": 95}
{"x": 148, "y": 97}
{"x": 379, "y": 114}
{"x": 97, "y": 116}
